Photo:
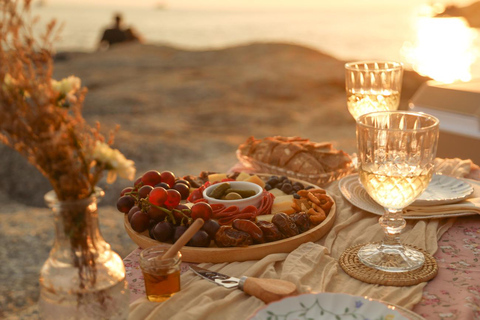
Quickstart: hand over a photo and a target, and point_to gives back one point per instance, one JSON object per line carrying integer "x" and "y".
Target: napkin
{"x": 471, "y": 204}
{"x": 457, "y": 168}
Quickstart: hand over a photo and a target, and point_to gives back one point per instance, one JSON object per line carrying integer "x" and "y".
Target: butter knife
{"x": 267, "y": 290}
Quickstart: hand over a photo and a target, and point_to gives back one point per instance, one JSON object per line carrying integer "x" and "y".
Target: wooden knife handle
{"x": 268, "y": 290}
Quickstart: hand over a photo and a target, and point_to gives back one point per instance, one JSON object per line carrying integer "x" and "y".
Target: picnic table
{"x": 453, "y": 294}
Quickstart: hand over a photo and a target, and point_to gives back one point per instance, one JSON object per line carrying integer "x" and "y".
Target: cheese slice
{"x": 277, "y": 192}
{"x": 255, "y": 179}
{"x": 283, "y": 206}
{"x": 265, "y": 217}
{"x": 242, "y": 176}
{"x": 216, "y": 177}
{"x": 287, "y": 197}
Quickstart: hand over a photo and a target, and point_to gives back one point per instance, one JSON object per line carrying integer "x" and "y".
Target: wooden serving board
{"x": 231, "y": 254}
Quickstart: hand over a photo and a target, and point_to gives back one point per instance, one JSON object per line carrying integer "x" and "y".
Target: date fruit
{"x": 301, "y": 220}
{"x": 270, "y": 231}
{"x": 249, "y": 227}
{"x": 286, "y": 225}
{"x": 227, "y": 236}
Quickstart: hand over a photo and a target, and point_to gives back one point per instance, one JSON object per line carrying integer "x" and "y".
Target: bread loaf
{"x": 296, "y": 154}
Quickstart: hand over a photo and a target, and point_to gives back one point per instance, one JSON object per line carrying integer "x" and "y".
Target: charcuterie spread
{"x": 161, "y": 206}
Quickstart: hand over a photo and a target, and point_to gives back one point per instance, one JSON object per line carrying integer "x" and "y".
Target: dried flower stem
{"x": 41, "y": 118}
{"x": 53, "y": 138}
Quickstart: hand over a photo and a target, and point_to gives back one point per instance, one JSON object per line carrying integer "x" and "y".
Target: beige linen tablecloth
{"x": 312, "y": 266}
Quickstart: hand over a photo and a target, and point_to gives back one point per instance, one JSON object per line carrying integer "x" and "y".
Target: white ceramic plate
{"x": 331, "y": 306}
{"x": 444, "y": 190}
{"x": 354, "y": 192}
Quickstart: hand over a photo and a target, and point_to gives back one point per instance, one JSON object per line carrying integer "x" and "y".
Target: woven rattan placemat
{"x": 352, "y": 266}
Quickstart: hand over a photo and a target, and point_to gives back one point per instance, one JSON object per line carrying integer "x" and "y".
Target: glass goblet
{"x": 396, "y": 152}
{"x": 373, "y": 86}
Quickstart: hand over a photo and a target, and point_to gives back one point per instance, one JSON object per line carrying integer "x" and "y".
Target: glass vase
{"x": 82, "y": 277}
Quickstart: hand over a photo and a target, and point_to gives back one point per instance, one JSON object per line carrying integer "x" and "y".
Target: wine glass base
{"x": 387, "y": 258}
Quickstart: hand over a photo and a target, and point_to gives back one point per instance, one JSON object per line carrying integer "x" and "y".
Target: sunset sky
{"x": 356, "y": 28}
{"x": 253, "y": 4}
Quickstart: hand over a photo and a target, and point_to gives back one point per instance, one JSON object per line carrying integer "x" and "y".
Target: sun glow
{"x": 444, "y": 49}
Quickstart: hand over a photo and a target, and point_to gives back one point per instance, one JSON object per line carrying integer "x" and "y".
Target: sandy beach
{"x": 178, "y": 110}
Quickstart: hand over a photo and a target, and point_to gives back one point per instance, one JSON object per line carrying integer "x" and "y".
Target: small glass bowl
{"x": 240, "y": 203}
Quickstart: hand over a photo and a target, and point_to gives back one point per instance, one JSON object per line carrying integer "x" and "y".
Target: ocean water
{"x": 347, "y": 33}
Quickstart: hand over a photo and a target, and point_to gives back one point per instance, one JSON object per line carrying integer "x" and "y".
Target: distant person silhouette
{"x": 117, "y": 34}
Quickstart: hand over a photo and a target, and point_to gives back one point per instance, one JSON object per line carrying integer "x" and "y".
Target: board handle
{"x": 267, "y": 290}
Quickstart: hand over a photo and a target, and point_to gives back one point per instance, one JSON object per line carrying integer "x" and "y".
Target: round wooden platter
{"x": 215, "y": 254}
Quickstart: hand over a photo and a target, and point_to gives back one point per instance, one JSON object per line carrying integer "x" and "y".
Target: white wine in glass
{"x": 394, "y": 188}
{"x": 373, "y": 86}
{"x": 396, "y": 160}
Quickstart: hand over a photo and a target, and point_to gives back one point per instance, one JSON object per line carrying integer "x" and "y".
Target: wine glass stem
{"x": 393, "y": 223}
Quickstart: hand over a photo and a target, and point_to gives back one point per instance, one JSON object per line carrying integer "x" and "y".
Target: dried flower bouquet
{"x": 41, "y": 118}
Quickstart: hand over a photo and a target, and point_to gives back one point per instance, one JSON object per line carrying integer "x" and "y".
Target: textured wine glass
{"x": 396, "y": 152}
{"x": 373, "y": 86}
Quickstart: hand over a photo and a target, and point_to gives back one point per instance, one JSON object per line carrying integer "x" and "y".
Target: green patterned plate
{"x": 334, "y": 306}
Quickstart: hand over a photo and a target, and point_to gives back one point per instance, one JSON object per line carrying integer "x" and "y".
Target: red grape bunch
{"x": 153, "y": 204}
